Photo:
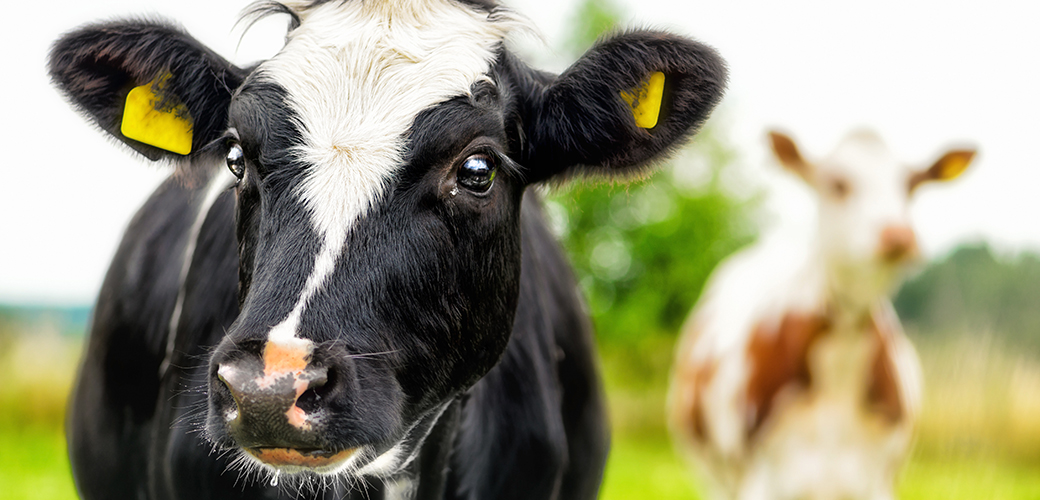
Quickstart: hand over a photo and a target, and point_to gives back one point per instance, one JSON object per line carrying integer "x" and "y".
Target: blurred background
{"x": 925, "y": 74}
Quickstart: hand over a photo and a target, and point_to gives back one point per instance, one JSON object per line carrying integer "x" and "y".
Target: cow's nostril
{"x": 309, "y": 401}
{"x": 316, "y": 377}
{"x": 231, "y": 377}
{"x": 271, "y": 407}
{"x": 317, "y": 381}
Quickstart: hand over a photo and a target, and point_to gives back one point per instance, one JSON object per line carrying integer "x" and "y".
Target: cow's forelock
{"x": 356, "y": 75}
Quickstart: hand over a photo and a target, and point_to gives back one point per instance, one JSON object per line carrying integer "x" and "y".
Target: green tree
{"x": 972, "y": 291}
{"x": 643, "y": 250}
{"x": 591, "y": 19}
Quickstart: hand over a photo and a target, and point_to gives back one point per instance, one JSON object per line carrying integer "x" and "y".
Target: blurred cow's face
{"x": 865, "y": 233}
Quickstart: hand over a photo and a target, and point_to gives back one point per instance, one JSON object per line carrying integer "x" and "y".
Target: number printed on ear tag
{"x": 645, "y": 100}
{"x": 168, "y": 128}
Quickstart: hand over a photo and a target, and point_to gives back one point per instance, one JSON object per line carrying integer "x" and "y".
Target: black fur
{"x": 605, "y": 136}
{"x": 97, "y": 66}
{"x": 449, "y": 328}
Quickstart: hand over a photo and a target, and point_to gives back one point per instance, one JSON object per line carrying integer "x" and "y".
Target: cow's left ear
{"x": 948, "y": 167}
{"x": 628, "y": 101}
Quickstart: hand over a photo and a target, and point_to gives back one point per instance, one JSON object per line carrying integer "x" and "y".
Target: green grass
{"x": 975, "y": 478}
{"x": 33, "y": 465}
{"x": 646, "y": 467}
{"x": 979, "y": 439}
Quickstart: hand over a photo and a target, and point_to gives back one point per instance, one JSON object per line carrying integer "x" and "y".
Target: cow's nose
{"x": 275, "y": 398}
{"x": 898, "y": 243}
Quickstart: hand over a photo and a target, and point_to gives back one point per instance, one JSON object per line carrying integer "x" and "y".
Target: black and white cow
{"x": 371, "y": 306}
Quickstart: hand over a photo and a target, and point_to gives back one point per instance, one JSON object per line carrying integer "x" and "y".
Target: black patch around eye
{"x": 477, "y": 173}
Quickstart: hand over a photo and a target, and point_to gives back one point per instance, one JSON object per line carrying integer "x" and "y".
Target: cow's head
{"x": 379, "y": 159}
{"x": 865, "y": 234}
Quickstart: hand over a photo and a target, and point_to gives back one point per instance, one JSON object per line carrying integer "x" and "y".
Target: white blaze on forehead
{"x": 357, "y": 73}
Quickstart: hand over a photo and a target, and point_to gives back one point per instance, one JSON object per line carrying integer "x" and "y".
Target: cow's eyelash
{"x": 502, "y": 161}
{"x": 221, "y": 143}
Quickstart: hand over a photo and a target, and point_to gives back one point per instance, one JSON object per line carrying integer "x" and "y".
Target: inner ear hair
{"x": 787, "y": 154}
{"x": 950, "y": 166}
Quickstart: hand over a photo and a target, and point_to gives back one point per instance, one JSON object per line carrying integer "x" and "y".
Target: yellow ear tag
{"x": 168, "y": 129}
{"x": 645, "y": 100}
{"x": 953, "y": 164}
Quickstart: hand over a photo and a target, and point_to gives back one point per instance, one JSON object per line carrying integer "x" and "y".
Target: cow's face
{"x": 378, "y": 208}
{"x": 864, "y": 192}
{"x": 381, "y": 158}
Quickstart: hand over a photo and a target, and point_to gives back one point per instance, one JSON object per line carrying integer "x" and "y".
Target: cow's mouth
{"x": 301, "y": 458}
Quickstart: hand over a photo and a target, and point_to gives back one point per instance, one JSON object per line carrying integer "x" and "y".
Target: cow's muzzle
{"x": 277, "y": 409}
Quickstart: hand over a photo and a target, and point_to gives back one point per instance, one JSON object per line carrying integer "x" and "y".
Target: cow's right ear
{"x": 787, "y": 154}
{"x": 151, "y": 85}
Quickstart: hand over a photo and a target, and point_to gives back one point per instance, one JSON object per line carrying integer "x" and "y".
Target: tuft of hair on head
{"x": 258, "y": 11}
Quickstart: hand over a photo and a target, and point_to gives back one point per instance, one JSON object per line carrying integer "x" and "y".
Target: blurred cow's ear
{"x": 786, "y": 152}
{"x": 625, "y": 103}
{"x": 950, "y": 166}
{"x": 150, "y": 85}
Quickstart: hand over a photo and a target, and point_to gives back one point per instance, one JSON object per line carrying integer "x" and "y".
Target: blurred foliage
{"x": 591, "y": 19}
{"x": 643, "y": 250}
{"x": 973, "y": 291}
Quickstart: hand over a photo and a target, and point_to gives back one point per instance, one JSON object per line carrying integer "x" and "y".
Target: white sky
{"x": 926, "y": 74}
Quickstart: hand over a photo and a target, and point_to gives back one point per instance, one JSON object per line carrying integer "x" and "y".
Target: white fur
{"x": 402, "y": 489}
{"x": 850, "y": 229}
{"x": 386, "y": 464}
{"x": 393, "y": 460}
{"x": 357, "y": 74}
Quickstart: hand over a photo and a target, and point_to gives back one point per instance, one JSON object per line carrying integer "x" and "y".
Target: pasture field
{"x": 644, "y": 467}
{"x": 979, "y": 439}
{"x": 33, "y": 467}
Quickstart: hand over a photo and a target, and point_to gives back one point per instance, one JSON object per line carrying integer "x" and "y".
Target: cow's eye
{"x": 839, "y": 188}
{"x": 236, "y": 160}
{"x": 477, "y": 173}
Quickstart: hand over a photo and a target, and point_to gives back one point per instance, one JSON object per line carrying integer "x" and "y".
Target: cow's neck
{"x": 432, "y": 464}
{"x": 851, "y": 290}
{"x": 840, "y": 361}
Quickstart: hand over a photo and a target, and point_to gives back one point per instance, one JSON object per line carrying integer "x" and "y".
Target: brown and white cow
{"x": 793, "y": 378}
